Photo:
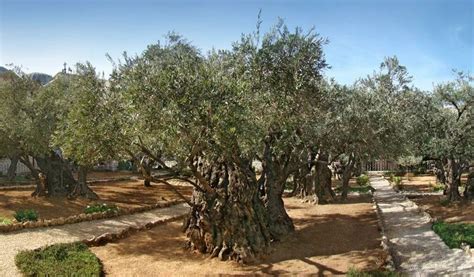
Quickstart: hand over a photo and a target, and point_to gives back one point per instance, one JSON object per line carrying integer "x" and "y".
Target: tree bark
{"x": 145, "y": 168}
{"x": 323, "y": 182}
{"x": 40, "y": 178}
{"x": 453, "y": 179}
{"x": 346, "y": 176}
{"x": 274, "y": 176}
{"x": 81, "y": 188}
{"x": 228, "y": 219}
{"x": 11, "y": 173}
{"x": 469, "y": 191}
{"x": 441, "y": 174}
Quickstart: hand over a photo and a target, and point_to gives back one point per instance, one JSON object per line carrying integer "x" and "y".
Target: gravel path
{"x": 416, "y": 249}
{"x": 12, "y": 243}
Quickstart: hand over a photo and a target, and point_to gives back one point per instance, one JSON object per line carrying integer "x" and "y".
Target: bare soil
{"x": 452, "y": 212}
{"x": 124, "y": 194}
{"x": 329, "y": 239}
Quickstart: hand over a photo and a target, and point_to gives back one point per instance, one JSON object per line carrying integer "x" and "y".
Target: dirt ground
{"x": 324, "y": 243}
{"x": 124, "y": 194}
{"x": 455, "y": 212}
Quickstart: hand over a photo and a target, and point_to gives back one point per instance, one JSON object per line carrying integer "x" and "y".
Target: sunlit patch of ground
{"x": 329, "y": 239}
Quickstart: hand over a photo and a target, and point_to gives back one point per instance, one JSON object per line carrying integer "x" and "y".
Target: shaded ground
{"x": 322, "y": 244}
{"x": 422, "y": 183}
{"x": 455, "y": 212}
{"x": 125, "y": 194}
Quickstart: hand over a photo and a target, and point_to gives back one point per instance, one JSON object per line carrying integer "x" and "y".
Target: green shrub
{"x": 437, "y": 187}
{"x": 26, "y": 215}
{"x": 5, "y": 221}
{"x": 99, "y": 208}
{"x": 373, "y": 273}
{"x": 363, "y": 180}
{"x": 453, "y": 234}
{"x": 68, "y": 259}
{"x": 397, "y": 181}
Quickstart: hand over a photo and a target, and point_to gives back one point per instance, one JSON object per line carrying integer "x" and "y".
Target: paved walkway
{"x": 12, "y": 243}
{"x": 417, "y": 250}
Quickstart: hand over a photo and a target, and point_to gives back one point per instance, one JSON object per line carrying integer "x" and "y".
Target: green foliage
{"x": 26, "y": 215}
{"x": 437, "y": 187}
{"x": 363, "y": 180}
{"x": 373, "y": 273}
{"x": 453, "y": 234}
{"x": 5, "y": 221}
{"x": 73, "y": 259}
{"x": 398, "y": 181}
{"x": 99, "y": 208}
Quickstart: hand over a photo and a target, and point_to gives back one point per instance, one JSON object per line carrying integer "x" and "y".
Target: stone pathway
{"x": 416, "y": 249}
{"x": 12, "y": 243}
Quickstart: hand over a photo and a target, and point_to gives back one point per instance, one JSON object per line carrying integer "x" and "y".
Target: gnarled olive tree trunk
{"x": 273, "y": 179}
{"x": 228, "y": 219}
{"x": 11, "y": 173}
{"x": 323, "y": 180}
{"x": 453, "y": 179}
{"x": 469, "y": 191}
{"x": 346, "y": 175}
{"x": 55, "y": 178}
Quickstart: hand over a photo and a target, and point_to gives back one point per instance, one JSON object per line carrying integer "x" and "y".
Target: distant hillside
{"x": 41, "y": 77}
{"x": 3, "y": 69}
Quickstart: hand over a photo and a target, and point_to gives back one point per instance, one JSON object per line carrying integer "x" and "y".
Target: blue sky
{"x": 429, "y": 37}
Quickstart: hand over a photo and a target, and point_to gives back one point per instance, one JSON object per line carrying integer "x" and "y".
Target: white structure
{"x": 20, "y": 168}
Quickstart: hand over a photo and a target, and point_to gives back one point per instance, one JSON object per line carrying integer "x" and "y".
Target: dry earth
{"x": 329, "y": 239}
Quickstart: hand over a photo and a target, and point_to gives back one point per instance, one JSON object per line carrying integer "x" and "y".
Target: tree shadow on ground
{"x": 321, "y": 244}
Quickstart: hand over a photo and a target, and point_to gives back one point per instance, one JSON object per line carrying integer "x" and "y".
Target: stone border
{"x": 385, "y": 243}
{"x": 103, "y": 239}
{"x": 83, "y": 217}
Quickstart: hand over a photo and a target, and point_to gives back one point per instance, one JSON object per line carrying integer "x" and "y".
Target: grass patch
{"x": 68, "y": 259}
{"x": 373, "y": 273}
{"x": 453, "y": 234}
{"x": 5, "y": 221}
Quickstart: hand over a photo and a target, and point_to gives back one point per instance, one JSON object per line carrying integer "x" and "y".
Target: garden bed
{"x": 323, "y": 243}
{"x": 129, "y": 196}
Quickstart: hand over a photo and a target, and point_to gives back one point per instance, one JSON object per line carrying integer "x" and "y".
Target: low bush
{"x": 5, "y": 221}
{"x": 363, "y": 180}
{"x": 437, "y": 187}
{"x": 398, "y": 182}
{"x": 26, "y": 215}
{"x": 99, "y": 208}
{"x": 373, "y": 273}
{"x": 72, "y": 259}
{"x": 453, "y": 234}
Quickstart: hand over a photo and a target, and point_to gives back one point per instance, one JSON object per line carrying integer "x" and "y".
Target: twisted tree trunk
{"x": 453, "y": 179}
{"x": 323, "y": 182}
{"x": 81, "y": 188}
{"x": 274, "y": 176}
{"x": 228, "y": 218}
{"x": 469, "y": 191}
{"x": 11, "y": 173}
{"x": 346, "y": 176}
